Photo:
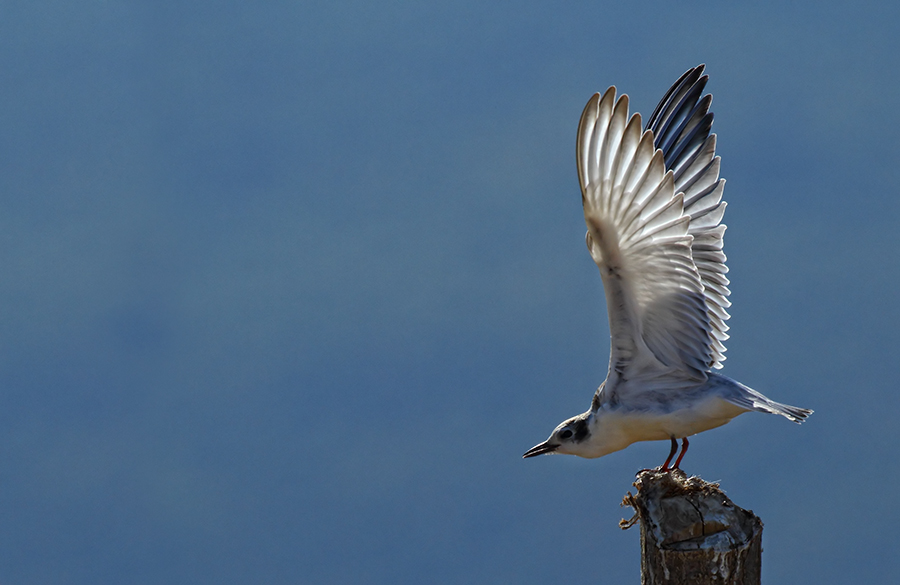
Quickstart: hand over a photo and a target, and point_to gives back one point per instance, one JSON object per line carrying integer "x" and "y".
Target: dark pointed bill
{"x": 545, "y": 447}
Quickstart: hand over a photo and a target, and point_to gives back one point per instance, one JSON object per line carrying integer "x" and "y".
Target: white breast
{"x": 614, "y": 429}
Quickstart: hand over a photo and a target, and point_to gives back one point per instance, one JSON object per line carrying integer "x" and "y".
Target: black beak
{"x": 545, "y": 447}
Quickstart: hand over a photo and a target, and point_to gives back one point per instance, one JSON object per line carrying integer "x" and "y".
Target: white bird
{"x": 653, "y": 208}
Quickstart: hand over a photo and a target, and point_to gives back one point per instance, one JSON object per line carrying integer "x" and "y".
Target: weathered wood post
{"x": 691, "y": 533}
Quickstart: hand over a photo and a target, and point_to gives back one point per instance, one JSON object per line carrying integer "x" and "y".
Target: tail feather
{"x": 752, "y": 400}
{"x": 792, "y": 413}
{"x": 760, "y": 403}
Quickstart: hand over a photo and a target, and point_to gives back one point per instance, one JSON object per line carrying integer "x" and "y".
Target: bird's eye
{"x": 565, "y": 434}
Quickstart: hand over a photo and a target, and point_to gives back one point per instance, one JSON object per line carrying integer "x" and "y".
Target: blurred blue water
{"x": 288, "y": 289}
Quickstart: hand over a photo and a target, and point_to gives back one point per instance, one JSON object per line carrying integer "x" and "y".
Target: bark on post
{"x": 691, "y": 533}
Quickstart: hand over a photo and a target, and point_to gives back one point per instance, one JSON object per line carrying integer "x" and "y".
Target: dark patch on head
{"x": 580, "y": 428}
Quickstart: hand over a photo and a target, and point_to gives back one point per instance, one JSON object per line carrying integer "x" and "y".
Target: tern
{"x": 653, "y": 207}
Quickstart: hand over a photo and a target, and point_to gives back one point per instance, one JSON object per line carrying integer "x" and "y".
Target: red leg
{"x": 684, "y": 447}
{"x": 665, "y": 466}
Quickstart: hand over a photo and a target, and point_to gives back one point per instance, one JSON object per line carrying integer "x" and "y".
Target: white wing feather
{"x": 639, "y": 235}
{"x": 681, "y": 125}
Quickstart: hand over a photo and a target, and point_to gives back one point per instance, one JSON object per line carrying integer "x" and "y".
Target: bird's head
{"x": 569, "y": 438}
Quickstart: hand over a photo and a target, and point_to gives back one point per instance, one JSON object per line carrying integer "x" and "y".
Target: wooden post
{"x": 691, "y": 533}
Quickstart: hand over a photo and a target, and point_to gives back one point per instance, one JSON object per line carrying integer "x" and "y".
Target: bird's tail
{"x": 752, "y": 400}
{"x": 792, "y": 413}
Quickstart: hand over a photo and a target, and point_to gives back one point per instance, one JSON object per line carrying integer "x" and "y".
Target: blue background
{"x": 287, "y": 288}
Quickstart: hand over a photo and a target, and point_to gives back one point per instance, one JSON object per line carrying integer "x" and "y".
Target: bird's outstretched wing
{"x": 639, "y": 234}
{"x": 681, "y": 127}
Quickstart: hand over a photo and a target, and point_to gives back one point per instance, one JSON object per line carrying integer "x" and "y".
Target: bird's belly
{"x": 644, "y": 425}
